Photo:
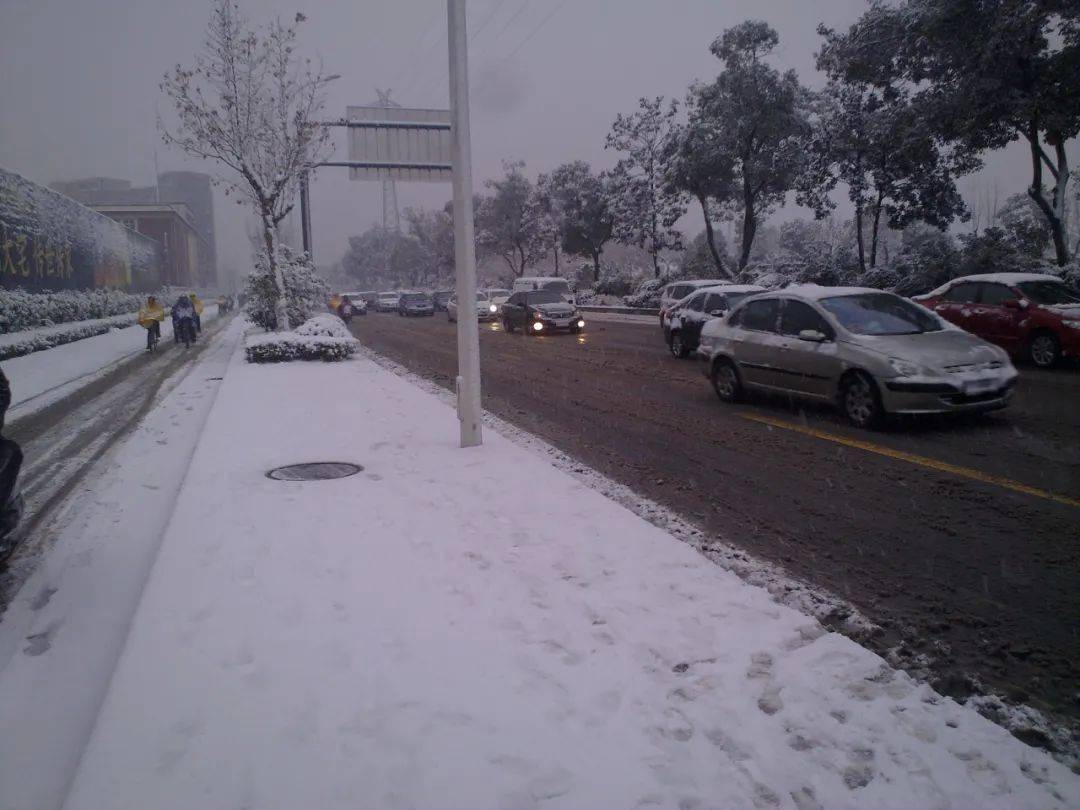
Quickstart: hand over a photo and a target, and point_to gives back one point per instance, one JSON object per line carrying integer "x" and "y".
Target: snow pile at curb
{"x": 323, "y": 337}
{"x": 23, "y": 343}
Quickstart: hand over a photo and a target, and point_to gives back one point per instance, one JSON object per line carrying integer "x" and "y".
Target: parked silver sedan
{"x": 870, "y": 352}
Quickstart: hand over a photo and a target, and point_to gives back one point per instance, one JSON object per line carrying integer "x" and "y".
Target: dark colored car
{"x": 540, "y": 312}
{"x": 682, "y": 329}
{"x": 415, "y": 304}
{"x": 441, "y": 298}
{"x": 1030, "y": 315}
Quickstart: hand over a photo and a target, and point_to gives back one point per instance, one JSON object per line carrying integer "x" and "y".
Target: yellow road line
{"x": 912, "y": 458}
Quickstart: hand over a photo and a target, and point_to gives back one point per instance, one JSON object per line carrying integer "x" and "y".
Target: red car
{"x": 1028, "y": 314}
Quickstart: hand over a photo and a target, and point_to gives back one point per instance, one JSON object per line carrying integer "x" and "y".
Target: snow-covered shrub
{"x": 21, "y": 310}
{"x": 306, "y": 292}
{"x": 323, "y": 337}
{"x": 647, "y": 294}
{"x": 325, "y": 325}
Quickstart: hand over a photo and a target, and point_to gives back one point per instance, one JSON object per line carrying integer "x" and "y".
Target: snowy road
{"x": 978, "y": 577}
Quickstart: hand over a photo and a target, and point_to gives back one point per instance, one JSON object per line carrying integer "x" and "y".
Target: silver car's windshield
{"x": 1049, "y": 292}
{"x": 880, "y": 314}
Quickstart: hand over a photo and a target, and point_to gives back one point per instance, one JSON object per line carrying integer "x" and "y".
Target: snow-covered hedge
{"x": 323, "y": 337}
{"x": 326, "y": 326}
{"x": 21, "y": 310}
{"x": 30, "y": 342}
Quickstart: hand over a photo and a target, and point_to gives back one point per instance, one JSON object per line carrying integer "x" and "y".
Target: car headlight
{"x": 493, "y": 308}
{"x": 905, "y": 368}
{"x": 1072, "y": 324}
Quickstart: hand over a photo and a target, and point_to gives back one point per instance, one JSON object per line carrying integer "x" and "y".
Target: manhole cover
{"x": 315, "y": 471}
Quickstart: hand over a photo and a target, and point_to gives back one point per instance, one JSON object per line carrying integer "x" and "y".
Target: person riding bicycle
{"x": 150, "y": 318}
{"x": 195, "y": 302}
{"x": 183, "y": 317}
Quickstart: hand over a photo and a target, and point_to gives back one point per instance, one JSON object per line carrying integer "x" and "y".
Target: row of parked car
{"x": 873, "y": 352}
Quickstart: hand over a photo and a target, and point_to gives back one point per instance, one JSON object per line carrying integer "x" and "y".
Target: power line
{"x": 536, "y": 30}
{"x": 487, "y": 20}
{"x": 510, "y": 22}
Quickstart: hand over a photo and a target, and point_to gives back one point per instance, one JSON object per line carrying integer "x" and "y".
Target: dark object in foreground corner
{"x": 11, "y": 458}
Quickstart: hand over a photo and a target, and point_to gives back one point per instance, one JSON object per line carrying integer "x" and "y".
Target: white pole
{"x": 468, "y": 329}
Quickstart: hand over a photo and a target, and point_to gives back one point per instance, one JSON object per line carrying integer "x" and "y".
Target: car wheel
{"x": 1044, "y": 350}
{"x": 860, "y": 400}
{"x": 678, "y": 348}
{"x": 575, "y": 330}
{"x": 725, "y": 380}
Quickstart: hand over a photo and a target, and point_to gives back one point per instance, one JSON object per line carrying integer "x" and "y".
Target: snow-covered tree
{"x": 511, "y": 223}
{"x": 982, "y": 74}
{"x": 249, "y": 104}
{"x": 643, "y": 205}
{"x": 306, "y": 292}
{"x": 755, "y": 116}
{"x": 879, "y": 149}
{"x": 579, "y": 200}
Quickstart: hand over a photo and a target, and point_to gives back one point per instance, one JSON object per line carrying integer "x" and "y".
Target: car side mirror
{"x": 813, "y": 336}
{"x": 1016, "y": 303}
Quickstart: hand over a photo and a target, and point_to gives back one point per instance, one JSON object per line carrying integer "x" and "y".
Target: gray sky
{"x": 549, "y": 76}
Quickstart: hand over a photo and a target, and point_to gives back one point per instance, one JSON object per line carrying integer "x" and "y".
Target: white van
{"x": 553, "y": 283}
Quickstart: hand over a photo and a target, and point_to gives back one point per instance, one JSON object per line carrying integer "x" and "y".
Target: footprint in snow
{"x": 42, "y": 599}
{"x": 40, "y": 643}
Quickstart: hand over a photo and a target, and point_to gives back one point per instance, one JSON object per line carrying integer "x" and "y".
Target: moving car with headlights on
{"x": 485, "y": 309}
{"x": 1030, "y": 315}
{"x": 551, "y": 283}
{"x": 871, "y": 352}
{"x": 387, "y": 302}
{"x": 540, "y": 312}
{"x": 686, "y": 318}
{"x": 677, "y": 291}
{"x": 498, "y": 295}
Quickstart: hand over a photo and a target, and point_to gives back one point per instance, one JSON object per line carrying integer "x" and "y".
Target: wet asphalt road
{"x": 980, "y": 577}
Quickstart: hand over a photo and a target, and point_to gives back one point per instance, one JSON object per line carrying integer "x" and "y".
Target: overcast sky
{"x": 81, "y": 83}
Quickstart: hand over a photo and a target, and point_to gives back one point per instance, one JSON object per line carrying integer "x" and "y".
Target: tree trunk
{"x": 556, "y": 251}
{"x": 711, "y": 238}
{"x": 749, "y": 229}
{"x": 1053, "y": 210}
{"x": 874, "y": 234}
{"x": 859, "y": 239}
{"x": 280, "y": 307}
{"x": 596, "y": 266}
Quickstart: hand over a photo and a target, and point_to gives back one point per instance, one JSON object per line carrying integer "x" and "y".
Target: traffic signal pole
{"x": 468, "y": 329}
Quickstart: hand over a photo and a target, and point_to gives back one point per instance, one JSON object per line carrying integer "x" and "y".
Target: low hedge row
{"x": 38, "y": 341}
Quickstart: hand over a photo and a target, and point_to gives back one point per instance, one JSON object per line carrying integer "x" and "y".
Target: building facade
{"x": 50, "y": 242}
{"x": 193, "y": 190}
{"x": 172, "y": 226}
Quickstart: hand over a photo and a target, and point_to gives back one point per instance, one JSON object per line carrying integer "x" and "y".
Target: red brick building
{"x": 173, "y": 227}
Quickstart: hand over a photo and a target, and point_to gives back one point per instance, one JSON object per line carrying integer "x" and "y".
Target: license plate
{"x": 974, "y": 387}
{"x": 562, "y": 321}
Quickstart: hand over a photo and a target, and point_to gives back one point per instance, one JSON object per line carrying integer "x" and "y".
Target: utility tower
{"x": 391, "y": 220}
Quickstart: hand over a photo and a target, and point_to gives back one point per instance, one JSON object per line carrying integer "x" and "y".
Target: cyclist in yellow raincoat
{"x": 150, "y": 318}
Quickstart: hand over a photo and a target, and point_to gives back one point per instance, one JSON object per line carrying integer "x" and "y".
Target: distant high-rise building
{"x": 193, "y": 189}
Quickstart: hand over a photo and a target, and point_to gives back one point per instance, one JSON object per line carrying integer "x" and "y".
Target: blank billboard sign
{"x": 396, "y": 143}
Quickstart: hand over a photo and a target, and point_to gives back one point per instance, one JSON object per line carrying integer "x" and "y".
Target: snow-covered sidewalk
{"x": 477, "y": 629}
